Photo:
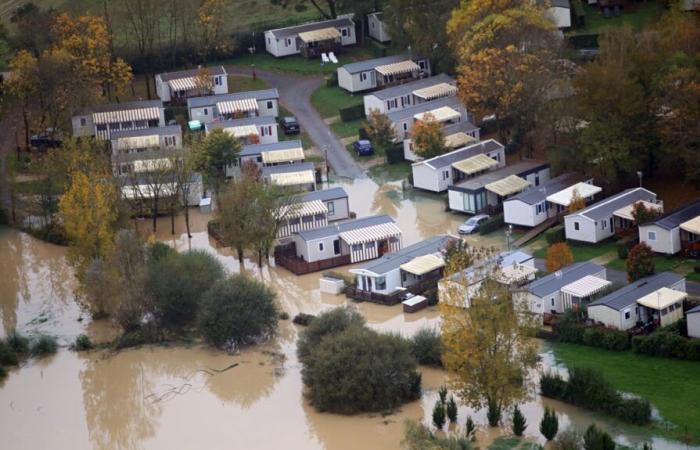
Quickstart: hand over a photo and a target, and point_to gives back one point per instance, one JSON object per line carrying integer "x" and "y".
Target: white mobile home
{"x": 438, "y": 173}
{"x": 656, "y": 300}
{"x": 231, "y": 106}
{"x": 251, "y": 130}
{"x": 273, "y": 154}
{"x": 379, "y": 72}
{"x": 447, "y": 111}
{"x": 313, "y": 210}
{"x": 139, "y": 144}
{"x": 602, "y": 219}
{"x": 487, "y": 192}
{"x": 178, "y": 86}
{"x": 336, "y": 201}
{"x": 531, "y": 207}
{"x": 377, "y": 28}
{"x": 663, "y": 235}
{"x": 559, "y": 13}
{"x": 693, "y": 320}
{"x": 456, "y": 135}
{"x": 297, "y": 176}
{"x": 101, "y": 121}
{"x": 410, "y": 94}
{"x": 325, "y": 35}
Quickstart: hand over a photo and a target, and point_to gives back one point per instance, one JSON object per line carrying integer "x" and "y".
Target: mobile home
{"x": 665, "y": 234}
{"x": 102, "y": 120}
{"x": 410, "y": 94}
{"x": 264, "y": 102}
{"x": 311, "y": 38}
{"x": 178, "y": 86}
{"x": 379, "y": 72}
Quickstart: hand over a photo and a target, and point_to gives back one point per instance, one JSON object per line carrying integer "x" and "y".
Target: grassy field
{"x": 240, "y": 83}
{"x": 329, "y": 100}
{"x": 299, "y": 64}
{"x": 661, "y": 263}
{"x": 637, "y": 15}
{"x": 582, "y": 252}
{"x": 347, "y": 129}
{"x": 670, "y": 385}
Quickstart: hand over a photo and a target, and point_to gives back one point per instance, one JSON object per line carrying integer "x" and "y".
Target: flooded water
{"x": 194, "y": 397}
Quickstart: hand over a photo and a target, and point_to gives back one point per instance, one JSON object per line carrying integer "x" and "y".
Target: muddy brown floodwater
{"x": 178, "y": 397}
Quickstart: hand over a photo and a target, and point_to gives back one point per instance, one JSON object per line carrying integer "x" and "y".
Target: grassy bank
{"x": 240, "y": 83}
{"x": 329, "y": 100}
{"x": 670, "y": 385}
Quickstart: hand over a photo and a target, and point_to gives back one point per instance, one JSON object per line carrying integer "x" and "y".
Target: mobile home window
{"x": 320, "y": 246}
{"x": 576, "y": 226}
{"x": 287, "y": 42}
{"x": 269, "y": 104}
{"x": 206, "y": 111}
{"x": 344, "y": 32}
{"x": 405, "y": 127}
{"x": 380, "y": 283}
{"x": 83, "y": 122}
{"x": 356, "y": 247}
{"x": 421, "y": 64}
{"x": 217, "y": 80}
{"x": 627, "y": 314}
{"x": 651, "y": 235}
{"x": 370, "y": 244}
{"x": 331, "y": 208}
{"x": 445, "y": 174}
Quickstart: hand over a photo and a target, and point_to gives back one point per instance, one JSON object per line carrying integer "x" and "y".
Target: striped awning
{"x": 442, "y": 114}
{"x": 240, "y": 105}
{"x": 626, "y": 211}
{"x": 183, "y": 84}
{"x": 420, "y": 265}
{"x": 310, "y": 208}
{"x": 286, "y": 155}
{"x": 474, "y": 164}
{"x": 692, "y": 225}
{"x": 436, "y": 91}
{"x": 152, "y": 165}
{"x": 293, "y": 178}
{"x": 242, "y": 131}
{"x": 508, "y": 185}
{"x": 134, "y": 142}
{"x": 586, "y": 286}
{"x": 398, "y": 68}
{"x": 324, "y": 34}
{"x": 459, "y": 139}
{"x": 126, "y": 115}
{"x": 371, "y": 233}
{"x": 147, "y": 191}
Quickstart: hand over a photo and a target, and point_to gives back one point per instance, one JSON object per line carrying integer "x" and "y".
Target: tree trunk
{"x": 155, "y": 212}
{"x": 25, "y": 118}
{"x": 147, "y": 79}
{"x": 172, "y": 218}
{"x": 187, "y": 221}
{"x": 239, "y": 249}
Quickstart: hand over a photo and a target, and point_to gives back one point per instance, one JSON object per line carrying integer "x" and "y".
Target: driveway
{"x": 295, "y": 94}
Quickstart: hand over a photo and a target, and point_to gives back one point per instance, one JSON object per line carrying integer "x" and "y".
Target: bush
{"x": 394, "y": 154}
{"x": 555, "y": 234}
{"x": 358, "y": 370}
{"x": 439, "y": 415}
{"x": 419, "y": 437}
{"x": 159, "y": 250}
{"x": 553, "y": 386}
{"x": 616, "y": 340}
{"x": 493, "y": 224}
{"x": 82, "y": 343}
{"x": 45, "y": 345}
{"x": 303, "y": 319}
{"x": 624, "y": 246}
{"x": 8, "y": 356}
{"x": 236, "y": 311}
{"x": 284, "y": 315}
{"x": 352, "y": 113}
{"x": 332, "y": 79}
{"x": 667, "y": 343}
{"x": 567, "y": 440}
{"x": 3, "y": 373}
{"x": 550, "y": 424}
{"x": 426, "y": 347}
{"x": 432, "y": 296}
{"x": 640, "y": 262}
{"x": 519, "y": 422}
{"x": 18, "y": 343}
{"x": 568, "y": 328}
{"x": 452, "y": 409}
{"x": 177, "y": 283}
{"x": 331, "y": 322}
{"x": 595, "y": 439}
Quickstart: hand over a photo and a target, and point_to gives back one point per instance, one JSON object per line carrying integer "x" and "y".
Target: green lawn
{"x": 347, "y": 129}
{"x": 329, "y": 100}
{"x": 297, "y": 63}
{"x": 512, "y": 443}
{"x": 638, "y": 16}
{"x": 239, "y": 83}
{"x": 671, "y": 385}
{"x": 581, "y": 252}
{"x": 661, "y": 263}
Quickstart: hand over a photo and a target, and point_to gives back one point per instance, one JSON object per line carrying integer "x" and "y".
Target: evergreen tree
{"x": 439, "y": 415}
{"x": 442, "y": 392}
{"x": 550, "y": 424}
{"x": 595, "y": 439}
{"x": 470, "y": 429}
{"x": 519, "y": 422}
{"x": 452, "y": 409}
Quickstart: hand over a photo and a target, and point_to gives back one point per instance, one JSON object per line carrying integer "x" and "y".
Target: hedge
{"x": 570, "y": 329}
{"x": 555, "y": 235}
{"x": 493, "y": 224}
{"x": 394, "y": 154}
{"x": 624, "y": 246}
{"x": 352, "y": 113}
{"x": 667, "y": 344}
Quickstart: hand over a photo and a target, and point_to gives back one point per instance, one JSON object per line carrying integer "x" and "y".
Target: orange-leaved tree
{"x": 428, "y": 138}
{"x": 640, "y": 262}
{"x": 577, "y": 202}
{"x": 558, "y": 255}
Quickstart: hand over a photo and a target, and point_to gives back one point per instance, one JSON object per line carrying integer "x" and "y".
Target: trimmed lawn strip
{"x": 297, "y": 63}
{"x": 347, "y": 129}
{"x": 329, "y": 100}
{"x": 669, "y": 384}
{"x": 645, "y": 13}
{"x": 581, "y": 252}
{"x": 240, "y": 83}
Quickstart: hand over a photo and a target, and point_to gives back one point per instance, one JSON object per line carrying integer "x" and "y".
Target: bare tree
{"x": 143, "y": 18}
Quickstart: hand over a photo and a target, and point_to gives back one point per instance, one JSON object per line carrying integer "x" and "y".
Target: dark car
{"x": 290, "y": 125}
{"x": 363, "y": 147}
{"x": 48, "y": 139}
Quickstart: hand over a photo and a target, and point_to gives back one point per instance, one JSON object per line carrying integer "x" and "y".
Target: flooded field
{"x": 193, "y": 397}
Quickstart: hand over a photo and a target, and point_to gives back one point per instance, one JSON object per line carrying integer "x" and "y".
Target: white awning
{"x": 662, "y": 298}
{"x": 459, "y": 139}
{"x": 563, "y": 197}
{"x": 476, "y": 163}
{"x": 240, "y": 105}
{"x": 242, "y": 131}
{"x": 183, "y": 84}
{"x": 147, "y": 190}
{"x": 293, "y": 178}
{"x": 286, "y": 155}
{"x": 437, "y": 91}
{"x": 137, "y": 142}
{"x": 508, "y": 185}
{"x": 586, "y": 286}
{"x": 126, "y": 115}
{"x": 420, "y": 265}
{"x": 371, "y": 233}
{"x": 626, "y": 211}
{"x": 398, "y": 68}
{"x": 692, "y": 225}
{"x": 152, "y": 165}
{"x": 324, "y": 34}
{"x": 310, "y": 208}
{"x": 442, "y": 114}
{"x": 515, "y": 273}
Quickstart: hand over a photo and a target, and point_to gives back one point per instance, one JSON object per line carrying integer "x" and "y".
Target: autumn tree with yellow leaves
{"x": 428, "y": 138}
{"x": 211, "y": 19}
{"x": 23, "y": 84}
{"x": 577, "y": 202}
{"x": 558, "y": 255}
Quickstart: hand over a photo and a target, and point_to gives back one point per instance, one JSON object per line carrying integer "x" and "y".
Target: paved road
{"x": 295, "y": 95}
{"x": 619, "y": 277}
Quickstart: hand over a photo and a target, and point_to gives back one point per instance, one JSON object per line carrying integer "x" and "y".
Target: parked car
{"x": 363, "y": 147}
{"x": 471, "y": 225}
{"x": 48, "y": 139}
{"x": 290, "y": 125}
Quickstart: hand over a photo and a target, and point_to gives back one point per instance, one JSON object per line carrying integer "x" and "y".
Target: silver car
{"x": 471, "y": 225}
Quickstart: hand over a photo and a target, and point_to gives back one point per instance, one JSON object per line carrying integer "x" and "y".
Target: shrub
{"x": 284, "y": 315}
{"x": 394, "y": 154}
{"x": 632, "y": 410}
{"x": 332, "y": 79}
{"x": 331, "y": 322}
{"x": 442, "y": 394}
{"x": 82, "y": 343}
{"x": 159, "y": 250}
{"x": 550, "y": 424}
{"x": 558, "y": 255}
{"x": 426, "y": 347}
{"x": 595, "y": 439}
{"x": 616, "y": 340}
{"x": 3, "y": 373}
{"x": 303, "y": 319}
{"x": 519, "y": 422}
{"x": 452, "y": 409}
{"x": 8, "y": 356}
{"x": 552, "y": 385}
{"x": 567, "y": 440}
{"x": 640, "y": 262}
{"x": 352, "y": 113}
{"x": 45, "y": 345}
{"x": 492, "y": 224}
{"x": 237, "y": 310}
{"x": 177, "y": 283}
{"x": 18, "y": 343}
{"x": 439, "y": 415}
{"x": 555, "y": 234}
{"x": 696, "y": 269}
{"x": 359, "y": 370}
{"x": 667, "y": 343}
{"x": 624, "y": 246}
{"x": 568, "y": 328}
{"x": 419, "y": 437}
{"x": 470, "y": 429}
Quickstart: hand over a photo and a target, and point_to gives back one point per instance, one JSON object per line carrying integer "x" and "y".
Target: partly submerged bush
{"x": 45, "y": 345}
{"x": 426, "y": 347}
{"x": 82, "y": 343}
{"x": 8, "y": 356}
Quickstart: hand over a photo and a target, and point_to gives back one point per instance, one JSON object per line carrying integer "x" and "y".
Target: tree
{"x": 558, "y": 255}
{"x": 236, "y": 311}
{"x": 152, "y": 182}
{"x": 426, "y": 347}
{"x": 489, "y": 348}
{"x": 428, "y": 138}
{"x": 470, "y": 429}
{"x": 380, "y": 130}
{"x": 419, "y": 437}
{"x": 439, "y": 415}
{"x": 183, "y": 176}
{"x": 326, "y": 324}
{"x": 27, "y": 19}
{"x": 568, "y": 439}
{"x": 549, "y": 426}
{"x": 577, "y": 202}
{"x": 211, "y": 18}
{"x": 451, "y": 409}
{"x": 178, "y": 282}
{"x": 236, "y": 215}
{"x": 143, "y": 20}
{"x": 23, "y": 84}
{"x": 595, "y": 439}
{"x": 639, "y": 262}
{"x": 211, "y": 157}
{"x": 519, "y": 422}
{"x": 642, "y": 214}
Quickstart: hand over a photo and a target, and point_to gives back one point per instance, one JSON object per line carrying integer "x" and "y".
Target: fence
{"x": 396, "y": 296}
